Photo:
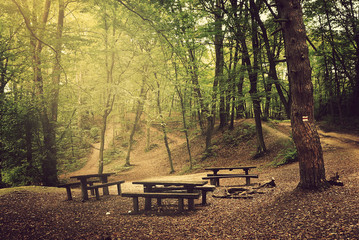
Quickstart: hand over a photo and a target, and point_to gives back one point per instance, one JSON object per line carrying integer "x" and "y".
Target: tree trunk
{"x": 272, "y": 73}
{"x": 203, "y": 111}
{"x": 139, "y": 110}
{"x": 163, "y": 125}
{"x": 107, "y": 111}
{"x": 218, "y": 44}
{"x": 253, "y": 78}
{"x": 56, "y": 72}
{"x": 305, "y": 135}
{"x": 183, "y": 111}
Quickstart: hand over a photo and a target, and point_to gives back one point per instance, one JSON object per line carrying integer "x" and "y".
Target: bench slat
{"x": 162, "y": 195}
{"x": 104, "y": 185}
{"x": 213, "y": 176}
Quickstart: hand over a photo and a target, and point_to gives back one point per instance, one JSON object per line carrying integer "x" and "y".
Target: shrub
{"x": 243, "y": 134}
{"x": 286, "y": 156}
{"x": 95, "y": 133}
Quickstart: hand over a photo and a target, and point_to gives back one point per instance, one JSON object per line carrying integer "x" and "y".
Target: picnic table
{"x": 84, "y": 179}
{"x": 214, "y": 178}
{"x": 187, "y": 186}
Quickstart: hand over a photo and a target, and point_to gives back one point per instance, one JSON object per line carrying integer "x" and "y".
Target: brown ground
{"x": 280, "y": 213}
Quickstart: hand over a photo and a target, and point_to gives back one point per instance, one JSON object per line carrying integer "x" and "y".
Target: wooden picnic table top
{"x": 173, "y": 183}
{"x": 229, "y": 168}
{"x": 92, "y": 175}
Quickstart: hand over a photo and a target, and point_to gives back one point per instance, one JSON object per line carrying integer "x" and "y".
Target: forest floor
{"x": 280, "y": 213}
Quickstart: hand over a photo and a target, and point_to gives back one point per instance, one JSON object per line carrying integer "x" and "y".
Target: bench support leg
{"x": 148, "y": 203}
{"x": 180, "y": 204}
{"x": 204, "y": 197}
{"x": 135, "y": 205}
{"x": 190, "y": 204}
{"x": 68, "y": 191}
{"x": 159, "y": 201}
{"x": 119, "y": 189}
{"x": 248, "y": 181}
{"x": 92, "y": 191}
{"x": 97, "y": 194}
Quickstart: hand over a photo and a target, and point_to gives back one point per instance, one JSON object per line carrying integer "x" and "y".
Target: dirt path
{"x": 91, "y": 165}
{"x": 148, "y": 164}
{"x": 152, "y": 163}
{"x": 340, "y": 150}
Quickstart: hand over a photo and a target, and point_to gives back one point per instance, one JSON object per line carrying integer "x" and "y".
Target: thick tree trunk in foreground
{"x": 305, "y": 135}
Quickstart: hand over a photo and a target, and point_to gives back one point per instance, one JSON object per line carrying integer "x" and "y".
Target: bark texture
{"x": 305, "y": 135}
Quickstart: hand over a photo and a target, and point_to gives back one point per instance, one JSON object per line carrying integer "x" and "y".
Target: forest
{"x": 69, "y": 69}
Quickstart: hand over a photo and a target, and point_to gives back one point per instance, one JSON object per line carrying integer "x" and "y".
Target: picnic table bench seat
{"x": 160, "y": 195}
{"x": 68, "y": 187}
{"x": 203, "y": 189}
{"x": 214, "y": 178}
{"x": 96, "y": 187}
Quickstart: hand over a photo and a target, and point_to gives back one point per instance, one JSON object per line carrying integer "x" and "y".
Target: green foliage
{"x": 112, "y": 154}
{"x": 187, "y": 170}
{"x": 20, "y": 152}
{"x": 286, "y": 156}
{"x": 73, "y": 148}
{"x": 22, "y": 175}
{"x": 95, "y": 133}
{"x": 242, "y": 134}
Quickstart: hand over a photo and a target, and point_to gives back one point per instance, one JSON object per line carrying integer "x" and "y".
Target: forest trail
{"x": 153, "y": 163}
{"x": 91, "y": 165}
{"x": 340, "y": 150}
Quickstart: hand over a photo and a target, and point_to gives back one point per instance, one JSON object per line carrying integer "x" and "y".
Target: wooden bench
{"x": 214, "y": 178}
{"x": 96, "y": 187}
{"x": 204, "y": 189}
{"x": 160, "y": 195}
{"x": 74, "y": 184}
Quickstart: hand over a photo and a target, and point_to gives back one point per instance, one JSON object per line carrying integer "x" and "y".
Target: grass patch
{"x": 111, "y": 155}
{"x": 187, "y": 170}
{"x": 38, "y": 189}
{"x": 122, "y": 168}
{"x": 244, "y": 133}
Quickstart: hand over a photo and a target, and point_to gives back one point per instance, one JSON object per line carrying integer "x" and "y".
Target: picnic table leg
{"x": 148, "y": 203}
{"x": 204, "y": 197}
{"x": 97, "y": 194}
{"x": 190, "y": 200}
{"x": 215, "y": 181}
{"x": 68, "y": 191}
{"x": 92, "y": 190}
{"x": 85, "y": 196}
{"x": 119, "y": 188}
{"x": 159, "y": 202}
{"x": 180, "y": 204}
{"x": 135, "y": 205}
{"x": 105, "y": 189}
{"x": 248, "y": 181}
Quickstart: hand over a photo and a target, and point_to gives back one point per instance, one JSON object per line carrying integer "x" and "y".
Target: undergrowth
{"x": 244, "y": 133}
